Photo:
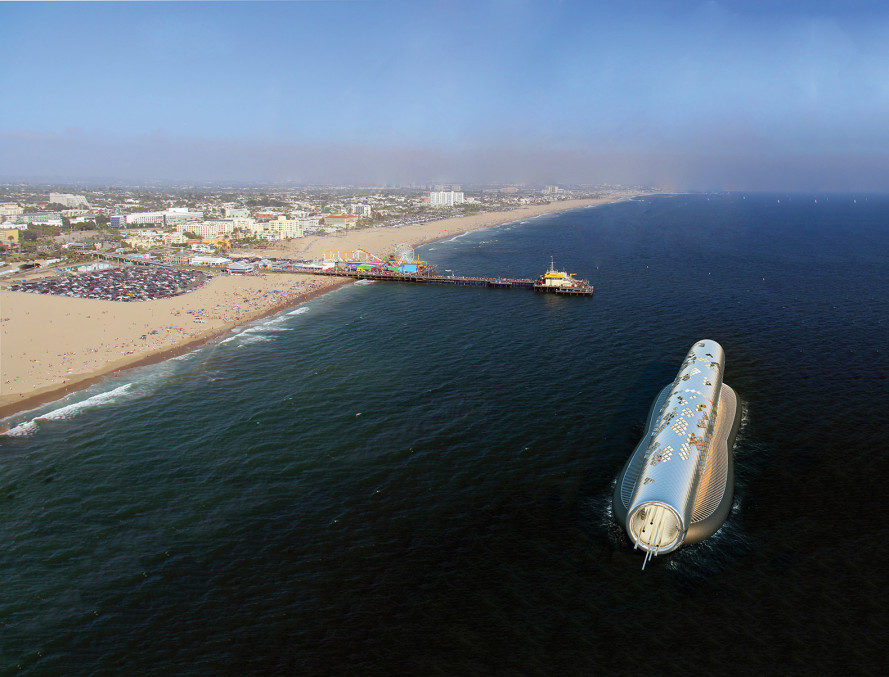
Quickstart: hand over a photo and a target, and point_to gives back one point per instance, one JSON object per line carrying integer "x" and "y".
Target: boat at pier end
{"x": 560, "y": 282}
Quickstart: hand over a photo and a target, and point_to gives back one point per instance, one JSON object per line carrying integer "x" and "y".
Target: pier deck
{"x": 459, "y": 281}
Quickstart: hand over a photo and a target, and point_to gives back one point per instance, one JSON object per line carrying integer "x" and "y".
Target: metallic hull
{"x": 677, "y": 486}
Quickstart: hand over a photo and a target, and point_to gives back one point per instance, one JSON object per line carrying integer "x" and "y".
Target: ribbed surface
{"x": 711, "y": 486}
{"x": 632, "y": 475}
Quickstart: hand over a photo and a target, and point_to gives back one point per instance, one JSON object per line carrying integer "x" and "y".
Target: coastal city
{"x": 97, "y": 280}
{"x": 211, "y": 227}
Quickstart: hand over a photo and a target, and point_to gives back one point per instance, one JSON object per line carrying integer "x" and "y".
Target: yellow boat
{"x": 560, "y": 282}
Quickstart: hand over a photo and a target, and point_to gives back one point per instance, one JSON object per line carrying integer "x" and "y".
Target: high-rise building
{"x": 445, "y": 198}
{"x": 284, "y": 227}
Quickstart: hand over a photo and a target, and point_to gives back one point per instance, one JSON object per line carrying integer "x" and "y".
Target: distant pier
{"x": 459, "y": 281}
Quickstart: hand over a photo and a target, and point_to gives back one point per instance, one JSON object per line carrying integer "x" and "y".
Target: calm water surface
{"x": 399, "y": 479}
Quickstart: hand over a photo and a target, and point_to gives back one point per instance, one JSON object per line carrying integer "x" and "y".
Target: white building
{"x": 221, "y": 226}
{"x": 280, "y": 228}
{"x": 204, "y": 260}
{"x": 284, "y": 227}
{"x": 68, "y": 200}
{"x": 360, "y": 210}
{"x": 246, "y": 224}
{"x": 42, "y": 218}
{"x": 239, "y": 268}
{"x": 231, "y": 212}
{"x": 445, "y": 198}
{"x": 202, "y": 247}
{"x": 207, "y": 229}
{"x": 9, "y": 209}
{"x": 309, "y": 222}
{"x": 145, "y": 238}
{"x": 167, "y": 217}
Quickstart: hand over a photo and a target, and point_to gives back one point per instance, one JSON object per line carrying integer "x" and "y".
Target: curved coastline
{"x": 434, "y": 231}
{"x": 57, "y": 392}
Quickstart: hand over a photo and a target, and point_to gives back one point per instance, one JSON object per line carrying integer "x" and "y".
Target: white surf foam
{"x": 22, "y": 430}
{"x": 299, "y": 311}
{"x": 244, "y": 334}
{"x": 69, "y": 411}
{"x": 256, "y": 338}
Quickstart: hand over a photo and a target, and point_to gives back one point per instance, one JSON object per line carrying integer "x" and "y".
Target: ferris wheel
{"x": 404, "y": 252}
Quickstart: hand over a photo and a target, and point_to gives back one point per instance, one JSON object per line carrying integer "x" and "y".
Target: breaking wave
{"x": 69, "y": 411}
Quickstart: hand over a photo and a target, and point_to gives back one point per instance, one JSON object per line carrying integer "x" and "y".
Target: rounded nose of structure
{"x": 656, "y": 528}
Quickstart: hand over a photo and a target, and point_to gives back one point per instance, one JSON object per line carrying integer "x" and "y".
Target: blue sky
{"x": 725, "y": 95}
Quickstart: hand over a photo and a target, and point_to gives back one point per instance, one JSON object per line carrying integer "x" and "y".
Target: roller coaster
{"x": 402, "y": 260}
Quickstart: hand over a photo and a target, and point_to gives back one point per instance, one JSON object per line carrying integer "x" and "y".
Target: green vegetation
{"x": 36, "y": 231}
{"x": 267, "y": 202}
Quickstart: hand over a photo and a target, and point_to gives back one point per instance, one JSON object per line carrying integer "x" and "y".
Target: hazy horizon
{"x": 685, "y": 95}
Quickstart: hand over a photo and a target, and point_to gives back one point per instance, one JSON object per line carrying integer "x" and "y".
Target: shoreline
{"x": 58, "y": 392}
{"x": 380, "y": 239}
{"x": 423, "y": 234}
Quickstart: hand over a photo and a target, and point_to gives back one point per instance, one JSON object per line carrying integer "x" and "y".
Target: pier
{"x": 459, "y": 281}
{"x": 553, "y": 282}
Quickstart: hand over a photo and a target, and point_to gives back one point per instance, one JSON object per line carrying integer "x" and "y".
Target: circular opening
{"x": 654, "y": 526}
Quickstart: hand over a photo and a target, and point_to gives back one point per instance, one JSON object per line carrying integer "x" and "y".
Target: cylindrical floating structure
{"x": 677, "y": 486}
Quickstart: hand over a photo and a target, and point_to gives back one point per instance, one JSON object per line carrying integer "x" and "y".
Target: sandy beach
{"x": 51, "y": 346}
{"x": 382, "y": 241}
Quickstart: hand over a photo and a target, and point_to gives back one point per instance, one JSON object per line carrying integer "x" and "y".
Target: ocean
{"x": 402, "y": 479}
